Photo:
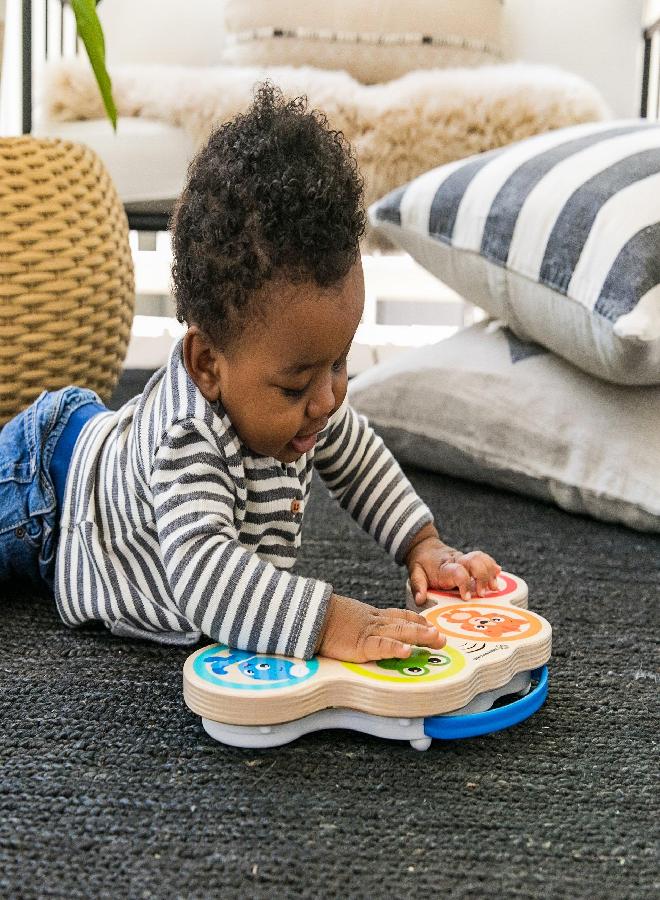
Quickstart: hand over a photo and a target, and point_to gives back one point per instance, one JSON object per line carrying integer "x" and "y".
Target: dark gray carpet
{"x": 111, "y": 788}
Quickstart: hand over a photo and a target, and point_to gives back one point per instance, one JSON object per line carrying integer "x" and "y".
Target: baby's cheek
{"x": 283, "y": 428}
{"x": 341, "y": 389}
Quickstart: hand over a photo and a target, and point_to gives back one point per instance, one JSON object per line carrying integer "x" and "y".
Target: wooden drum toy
{"x": 495, "y": 649}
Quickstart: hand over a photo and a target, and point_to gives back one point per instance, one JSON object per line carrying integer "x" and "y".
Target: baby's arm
{"x": 367, "y": 481}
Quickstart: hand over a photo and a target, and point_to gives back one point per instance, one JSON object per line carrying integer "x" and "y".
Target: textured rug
{"x": 111, "y": 788}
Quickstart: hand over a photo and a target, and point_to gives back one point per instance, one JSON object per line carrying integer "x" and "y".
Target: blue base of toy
{"x": 451, "y": 726}
{"x": 474, "y": 719}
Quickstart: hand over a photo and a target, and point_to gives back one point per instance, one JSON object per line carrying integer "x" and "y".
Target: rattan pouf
{"x": 66, "y": 273}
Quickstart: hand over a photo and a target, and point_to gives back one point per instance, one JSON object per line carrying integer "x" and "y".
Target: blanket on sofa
{"x": 398, "y": 129}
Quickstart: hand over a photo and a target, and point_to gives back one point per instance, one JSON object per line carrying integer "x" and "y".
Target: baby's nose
{"x": 322, "y": 401}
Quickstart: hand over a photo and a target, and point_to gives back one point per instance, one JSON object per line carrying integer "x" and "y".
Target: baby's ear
{"x": 203, "y": 362}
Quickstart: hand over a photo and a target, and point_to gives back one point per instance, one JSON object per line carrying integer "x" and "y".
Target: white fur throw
{"x": 398, "y": 129}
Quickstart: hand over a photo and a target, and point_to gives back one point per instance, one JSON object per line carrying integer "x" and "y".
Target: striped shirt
{"x": 173, "y": 528}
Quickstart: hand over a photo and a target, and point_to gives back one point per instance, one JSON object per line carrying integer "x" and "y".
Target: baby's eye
{"x": 293, "y": 393}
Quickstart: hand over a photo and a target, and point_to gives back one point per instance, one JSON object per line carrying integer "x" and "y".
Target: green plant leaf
{"x": 91, "y": 34}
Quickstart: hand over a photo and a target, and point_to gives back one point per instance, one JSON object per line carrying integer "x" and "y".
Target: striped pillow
{"x": 557, "y": 235}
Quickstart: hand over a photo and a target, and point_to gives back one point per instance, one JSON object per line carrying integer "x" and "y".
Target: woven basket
{"x": 66, "y": 273}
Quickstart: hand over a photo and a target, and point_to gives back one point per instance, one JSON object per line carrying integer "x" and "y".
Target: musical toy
{"x": 496, "y": 649}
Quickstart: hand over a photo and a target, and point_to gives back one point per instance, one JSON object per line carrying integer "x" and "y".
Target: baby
{"x": 181, "y": 513}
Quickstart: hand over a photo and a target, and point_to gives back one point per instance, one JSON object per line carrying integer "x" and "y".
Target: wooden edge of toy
{"x": 487, "y": 645}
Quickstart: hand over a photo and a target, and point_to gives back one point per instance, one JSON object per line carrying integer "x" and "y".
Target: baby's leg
{"x": 27, "y": 516}
{"x": 29, "y": 512}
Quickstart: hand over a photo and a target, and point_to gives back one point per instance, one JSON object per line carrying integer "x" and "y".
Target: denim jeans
{"x": 29, "y": 515}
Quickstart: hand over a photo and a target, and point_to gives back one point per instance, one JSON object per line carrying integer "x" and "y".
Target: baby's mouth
{"x": 303, "y": 444}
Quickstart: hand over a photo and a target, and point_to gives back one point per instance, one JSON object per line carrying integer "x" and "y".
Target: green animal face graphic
{"x": 420, "y": 662}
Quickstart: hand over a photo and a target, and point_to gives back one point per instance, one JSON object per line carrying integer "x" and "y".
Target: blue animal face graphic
{"x": 260, "y": 668}
{"x": 263, "y": 671}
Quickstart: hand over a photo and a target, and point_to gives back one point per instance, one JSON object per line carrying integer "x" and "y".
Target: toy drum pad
{"x": 258, "y": 700}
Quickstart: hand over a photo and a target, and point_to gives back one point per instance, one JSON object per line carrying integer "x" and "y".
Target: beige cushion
{"x": 372, "y": 41}
{"x": 487, "y": 406}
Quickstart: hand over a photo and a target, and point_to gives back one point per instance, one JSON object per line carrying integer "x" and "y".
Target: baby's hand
{"x": 358, "y": 632}
{"x": 432, "y": 564}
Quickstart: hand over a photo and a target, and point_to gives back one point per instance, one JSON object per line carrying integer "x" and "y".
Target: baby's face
{"x": 285, "y": 376}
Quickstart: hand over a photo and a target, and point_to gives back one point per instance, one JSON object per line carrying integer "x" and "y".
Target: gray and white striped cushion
{"x": 558, "y": 235}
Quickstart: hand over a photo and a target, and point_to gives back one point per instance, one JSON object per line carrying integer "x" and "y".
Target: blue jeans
{"x": 29, "y": 513}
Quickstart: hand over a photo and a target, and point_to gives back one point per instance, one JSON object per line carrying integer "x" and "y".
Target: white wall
{"x": 651, "y": 11}
{"x": 179, "y": 33}
{"x": 10, "y": 80}
{"x": 597, "y": 39}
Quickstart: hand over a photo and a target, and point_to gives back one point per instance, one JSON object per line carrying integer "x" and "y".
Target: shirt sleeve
{"x": 225, "y": 590}
{"x": 367, "y": 481}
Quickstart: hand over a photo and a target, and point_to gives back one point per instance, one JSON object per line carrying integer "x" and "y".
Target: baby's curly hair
{"x": 275, "y": 193}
